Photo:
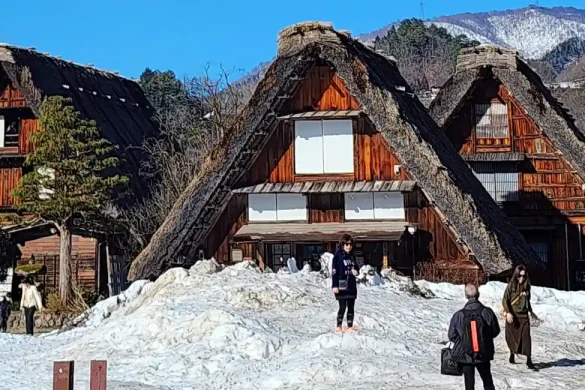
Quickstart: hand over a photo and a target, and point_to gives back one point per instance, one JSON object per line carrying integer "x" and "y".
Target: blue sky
{"x": 186, "y": 35}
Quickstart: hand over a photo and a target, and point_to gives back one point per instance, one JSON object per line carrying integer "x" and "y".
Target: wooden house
{"x": 119, "y": 108}
{"x": 526, "y": 150}
{"x": 333, "y": 141}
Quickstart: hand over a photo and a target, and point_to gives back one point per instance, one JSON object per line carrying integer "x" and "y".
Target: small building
{"x": 527, "y": 151}
{"x": 333, "y": 141}
{"x": 115, "y": 103}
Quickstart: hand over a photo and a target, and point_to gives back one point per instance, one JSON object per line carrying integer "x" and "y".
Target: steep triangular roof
{"x": 382, "y": 93}
{"x": 117, "y": 104}
{"x": 526, "y": 87}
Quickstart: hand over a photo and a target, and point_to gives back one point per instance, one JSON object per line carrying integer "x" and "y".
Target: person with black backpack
{"x": 472, "y": 332}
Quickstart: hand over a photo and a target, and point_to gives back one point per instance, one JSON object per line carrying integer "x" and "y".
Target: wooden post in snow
{"x": 109, "y": 266}
{"x": 63, "y": 375}
{"x": 98, "y": 375}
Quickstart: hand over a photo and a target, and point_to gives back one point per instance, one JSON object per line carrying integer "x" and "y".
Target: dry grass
{"x": 433, "y": 273}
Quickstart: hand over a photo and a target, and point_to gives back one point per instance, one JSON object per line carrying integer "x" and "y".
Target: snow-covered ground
{"x": 242, "y": 329}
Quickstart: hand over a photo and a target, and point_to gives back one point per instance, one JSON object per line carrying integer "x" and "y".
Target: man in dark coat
{"x": 472, "y": 332}
{"x": 4, "y": 313}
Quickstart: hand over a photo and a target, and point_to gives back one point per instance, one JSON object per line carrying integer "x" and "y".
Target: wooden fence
{"x": 64, "y": 375}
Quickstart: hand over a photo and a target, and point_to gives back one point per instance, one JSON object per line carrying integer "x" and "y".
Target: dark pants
{"x": 349, "y": 305}
{"x": 485, "y": 373}
{"x": 29, "y": 315}
{"x": 3, "y": 324}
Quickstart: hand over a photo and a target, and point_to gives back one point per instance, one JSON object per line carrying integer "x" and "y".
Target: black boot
{"x": 529, "y": 364}
{"x": 512, "y": 359}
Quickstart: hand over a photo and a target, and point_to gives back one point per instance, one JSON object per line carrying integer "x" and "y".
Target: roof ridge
{"x": 486, "y": 55}
{"x": 58, "y": 58}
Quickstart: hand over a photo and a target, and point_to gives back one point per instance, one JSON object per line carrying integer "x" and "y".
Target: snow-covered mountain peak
{"x": 533, "y": 31}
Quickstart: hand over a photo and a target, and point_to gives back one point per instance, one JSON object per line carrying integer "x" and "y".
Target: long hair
{"x": 515, "y": 285}
{"x": 345, "y": 239}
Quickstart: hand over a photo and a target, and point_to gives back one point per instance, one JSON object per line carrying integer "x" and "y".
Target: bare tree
{"x": 188, "y": 134}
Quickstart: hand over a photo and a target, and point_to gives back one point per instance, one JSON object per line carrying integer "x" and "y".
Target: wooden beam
{"x": 98, "y": 375}
{"x": 63, "y": 375}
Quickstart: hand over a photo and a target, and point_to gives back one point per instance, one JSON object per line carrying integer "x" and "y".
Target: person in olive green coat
{"x": 517, "y": 308}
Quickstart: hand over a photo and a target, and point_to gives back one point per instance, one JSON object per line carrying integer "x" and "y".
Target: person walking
{"x": 343, "y": 273}
{"x": 472, "y": 331}
{"x": 4, "y": 314}
{"x": 517, "y": 309}
{"x": 30, "y": 301}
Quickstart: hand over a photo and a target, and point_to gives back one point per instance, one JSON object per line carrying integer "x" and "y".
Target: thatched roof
{"x": 573, "y": 99}
{"x": 115, "y": 103}
{"x": 526, "y": 86}
{"x": 385, "y": 97}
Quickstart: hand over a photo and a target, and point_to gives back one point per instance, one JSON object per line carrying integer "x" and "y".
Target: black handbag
{"x": 448, "y": 366}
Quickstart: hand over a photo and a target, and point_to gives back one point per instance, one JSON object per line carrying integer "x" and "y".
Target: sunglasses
{"x": 521, "y": 276}
{"x": 347, "y": 244}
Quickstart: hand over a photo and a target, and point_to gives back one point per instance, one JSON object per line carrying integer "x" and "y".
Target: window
{"x": 324, "y": 146}
{"x": 278, "y": 255}
{"x": 374, "y": 205}
{"x": 542, "y": 250}
{"x": 277, "y": 207}
{"x": 9, "y": 129}
{"x": 499, "y": 179}
{"x": 491, "y": 120}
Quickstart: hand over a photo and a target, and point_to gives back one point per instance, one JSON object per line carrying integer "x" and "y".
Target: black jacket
{"x": 343, "y": 263}
{"x": 4, "y": 309}
{"x": 487, "y": 327}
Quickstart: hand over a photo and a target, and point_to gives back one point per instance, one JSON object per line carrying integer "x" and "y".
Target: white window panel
{"x": 291, "y": 207}
{"x": 499, "y": 179}
{"x": 308, "y": 147}
{"x": 359, "y": 205}
{"x": 262, "y": 207}
{"x": 338, "y": 146}
{"x": 491, "y": 120}
{"x": 2, "y": 131}
{"x": 389, "y": 205}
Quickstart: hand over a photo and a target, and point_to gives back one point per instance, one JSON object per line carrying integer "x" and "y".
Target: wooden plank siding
{"x": 9, "y": 178}
{"x": 373, "y": 160}
{"x": 551, "y": 193}
{"x": 46, "y": 251}
{"x": 27, "y": 128}
{"x": 12, "y": 98}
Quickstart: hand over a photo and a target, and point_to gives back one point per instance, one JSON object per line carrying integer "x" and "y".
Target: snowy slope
{"x": 534, "y": 31}
{"x": 242, "y": 329}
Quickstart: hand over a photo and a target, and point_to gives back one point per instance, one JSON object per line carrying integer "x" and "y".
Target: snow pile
{"x": 104, "y": 309}
{"x": 240, "y": 328}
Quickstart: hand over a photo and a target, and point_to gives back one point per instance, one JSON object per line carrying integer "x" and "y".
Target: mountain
{"x": 534, "y": 31}
{"x": 551, "y": 39}
{"x": 565, "y": 54}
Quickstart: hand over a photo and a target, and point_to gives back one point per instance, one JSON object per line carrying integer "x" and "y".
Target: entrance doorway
{"x": 310, "y": 254}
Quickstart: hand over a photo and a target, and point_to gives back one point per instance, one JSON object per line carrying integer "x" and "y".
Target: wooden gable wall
{"x": 373, "y": 160}
{"x": 551, "y": 205}
{"x": 13, "y": 102}
{"x": 547, "y": 182}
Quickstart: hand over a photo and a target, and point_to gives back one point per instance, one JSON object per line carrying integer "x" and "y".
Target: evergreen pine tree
{"x": 73, "y": 176}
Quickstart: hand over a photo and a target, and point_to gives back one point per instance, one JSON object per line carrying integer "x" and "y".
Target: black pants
{"x": 485, "y": 373}
{"x": 3, "y": 324}
{"x": 343, "y": 304}
{"x": 29, "y": 316}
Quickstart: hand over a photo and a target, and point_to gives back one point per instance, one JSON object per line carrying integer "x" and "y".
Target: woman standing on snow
{"x": 29, "y": 303}
{"x": 517, "y": 308}
{"x": 343, "y": 273}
